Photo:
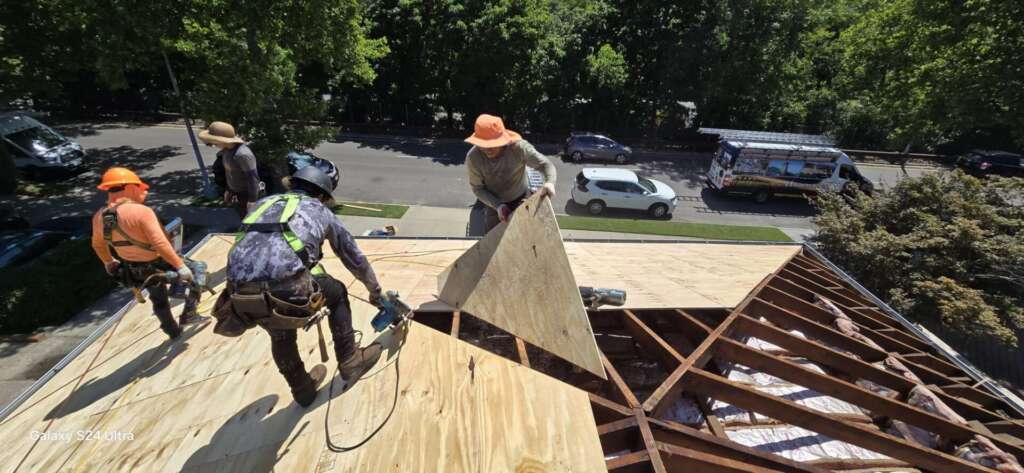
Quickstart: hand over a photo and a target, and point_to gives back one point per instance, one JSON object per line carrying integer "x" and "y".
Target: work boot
{"x": 360, "y": 362}
{"x": 188, "y": 316}
{"x": 306, "y": 394}
{"x": 172, "y": 331}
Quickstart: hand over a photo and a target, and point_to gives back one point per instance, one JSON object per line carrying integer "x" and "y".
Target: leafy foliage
{"x": 944, "y": 249}
{"x": 871, "y": 73}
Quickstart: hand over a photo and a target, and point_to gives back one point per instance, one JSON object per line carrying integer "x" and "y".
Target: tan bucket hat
{"x": 220, "y": 132}
{"x": 489, "y": 132}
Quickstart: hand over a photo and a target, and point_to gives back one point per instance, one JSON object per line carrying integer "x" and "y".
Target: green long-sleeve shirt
{"x": 503, "y": 179}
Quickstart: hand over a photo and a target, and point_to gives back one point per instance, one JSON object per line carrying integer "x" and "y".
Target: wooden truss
{"x": 689, "y": 347}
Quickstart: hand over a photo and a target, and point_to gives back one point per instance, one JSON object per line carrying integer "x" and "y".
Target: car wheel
{"x": 658, "y": 210}
{"x": 761, "y": 196}
{"x": 595, "y": 207}
{"x": 577, "y": 156}
{"x": 620, "y": 158}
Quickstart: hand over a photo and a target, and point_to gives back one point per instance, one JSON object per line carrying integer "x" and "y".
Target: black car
{"x": 983, "y": 163}
{"x": 271, "y": 178}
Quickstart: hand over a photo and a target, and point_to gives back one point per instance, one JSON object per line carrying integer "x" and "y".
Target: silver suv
{"x": 580, "y": 146}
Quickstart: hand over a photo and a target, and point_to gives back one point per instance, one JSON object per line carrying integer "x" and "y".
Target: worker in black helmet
{"x": 275, "y": 279}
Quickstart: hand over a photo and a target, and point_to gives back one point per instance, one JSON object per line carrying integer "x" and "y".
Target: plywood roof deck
{"x": 208, "y": 403}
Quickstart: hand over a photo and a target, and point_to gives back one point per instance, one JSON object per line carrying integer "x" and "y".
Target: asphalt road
{"x": 414, "y": 171}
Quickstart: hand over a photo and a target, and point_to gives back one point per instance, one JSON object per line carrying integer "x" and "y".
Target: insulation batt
{"x": 979, "y": 450}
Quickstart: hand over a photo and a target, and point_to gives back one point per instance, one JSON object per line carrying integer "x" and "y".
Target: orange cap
{"x": 118, "y": 176}
{"x": 489, "y": 132}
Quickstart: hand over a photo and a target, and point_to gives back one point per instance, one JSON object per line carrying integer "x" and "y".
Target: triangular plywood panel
{"x": 518, "y": 278}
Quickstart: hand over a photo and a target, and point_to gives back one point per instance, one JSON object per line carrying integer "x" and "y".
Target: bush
{"x": 52, "y": 288}
{"x": 945, "y": 249}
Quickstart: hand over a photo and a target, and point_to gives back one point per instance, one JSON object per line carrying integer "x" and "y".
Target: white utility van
{"x": 766, "y": 169}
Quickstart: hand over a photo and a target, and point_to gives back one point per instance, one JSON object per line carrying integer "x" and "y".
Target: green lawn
{"x": 359, "y": 209}
{"x": 682, "y": 229}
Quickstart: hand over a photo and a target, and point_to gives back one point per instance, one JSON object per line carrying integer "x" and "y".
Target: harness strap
{"x": 251, "y": 224}
{"x": 109, "y": 219}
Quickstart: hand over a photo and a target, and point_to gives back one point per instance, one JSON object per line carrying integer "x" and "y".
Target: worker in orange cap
{"x": 128, "y": 238}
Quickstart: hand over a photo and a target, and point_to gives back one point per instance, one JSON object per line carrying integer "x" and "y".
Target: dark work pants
{"x": 158, "y": 287}
{"x": 241, "y": 204}
{"x": 284, "y": 343}
{"x": 483, "y": 219}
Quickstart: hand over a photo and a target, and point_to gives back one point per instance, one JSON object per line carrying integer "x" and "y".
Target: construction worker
{"x": 497, "y": 172}
{"x": 128, "y": 238}
{"x": 275, "y": 279}
{"x": 240, "y": 171}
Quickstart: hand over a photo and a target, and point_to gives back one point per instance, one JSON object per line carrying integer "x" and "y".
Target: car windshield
{"x": 35, "y": 139}
{"x": 647, "y": 185}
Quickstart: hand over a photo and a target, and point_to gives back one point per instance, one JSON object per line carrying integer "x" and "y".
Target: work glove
{"x": 504, "y": 212}
{"x": 375, "y": 296}
{"x": 184, "y": 274}
{"x": 548, "y": 189}
{"x": 229, "y": 198}
{"x": 112, "y": 267}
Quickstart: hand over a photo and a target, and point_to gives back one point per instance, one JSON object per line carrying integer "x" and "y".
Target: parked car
{"x": 271, "y": 178}
{"x": 21, "y": 246}
{"x": 37, "y": 149}
{"x": 983, "y": 163}
{"x": 580, "y": 146}
{"x": 766, "y": 169}
{"x": 601, "y": 188}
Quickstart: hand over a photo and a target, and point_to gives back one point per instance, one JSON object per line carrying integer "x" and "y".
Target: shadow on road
{"x": 719, "y": 203}
{"x": 78, "y": 130}
{"x": 440, "y": 151}
{"x": 577, "y": 210}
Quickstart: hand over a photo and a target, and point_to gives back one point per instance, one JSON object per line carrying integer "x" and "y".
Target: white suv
{"x": 600, "y": 188}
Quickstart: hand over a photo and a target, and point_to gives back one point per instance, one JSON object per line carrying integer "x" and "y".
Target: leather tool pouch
{"x": 231, "y": 323}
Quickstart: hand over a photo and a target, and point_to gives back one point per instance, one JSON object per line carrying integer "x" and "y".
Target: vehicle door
{"x": 815, "y": 176}
{"x": 604, "y": 149}
{"x": 21, "y": 157}
{"x": 585, "y": 145}
{"x": 636, "y": 197}
{"x": 612, "y": 193}
{"x": 849, "y": 177}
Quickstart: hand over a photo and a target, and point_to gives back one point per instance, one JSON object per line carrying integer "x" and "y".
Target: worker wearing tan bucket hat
{"x": 242, "y": 181}
{"x": 497, "y": 172}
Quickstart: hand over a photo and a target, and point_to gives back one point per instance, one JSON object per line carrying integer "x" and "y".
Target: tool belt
{"x": 241, "y": 308}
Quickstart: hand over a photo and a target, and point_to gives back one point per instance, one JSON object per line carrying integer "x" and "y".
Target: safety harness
{"x": 109, "y": 218}
{"x": 237, "y": 312}
{"x": 292, "y": 201}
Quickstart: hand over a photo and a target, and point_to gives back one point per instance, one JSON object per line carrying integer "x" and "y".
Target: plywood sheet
{"x": 654, "y": 275}
{"x": 209, "y": 403}
{"x": 518, "y": 278}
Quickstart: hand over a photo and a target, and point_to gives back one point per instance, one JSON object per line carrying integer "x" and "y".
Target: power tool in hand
{"x": 392, "y": 312}
{"x": 595, "y": 297}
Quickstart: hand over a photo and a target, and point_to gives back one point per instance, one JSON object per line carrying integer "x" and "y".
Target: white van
{"x": 36, "y": 148}
{"x": 766, "y": 169}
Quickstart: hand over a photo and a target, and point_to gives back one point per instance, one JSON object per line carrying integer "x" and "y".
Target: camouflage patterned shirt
{"x": 264, "y": 257}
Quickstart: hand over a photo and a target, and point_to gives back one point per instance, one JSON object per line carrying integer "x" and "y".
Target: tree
{"x": 939, "y": 72}
{"x": 241, "y": 62}
{"x": 945, "y": 249}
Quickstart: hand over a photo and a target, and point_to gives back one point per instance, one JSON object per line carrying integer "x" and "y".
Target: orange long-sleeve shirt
{"x": 140, "y": 223}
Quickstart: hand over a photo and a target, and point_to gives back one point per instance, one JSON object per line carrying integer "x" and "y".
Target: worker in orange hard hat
{"x": 129, "y": 239}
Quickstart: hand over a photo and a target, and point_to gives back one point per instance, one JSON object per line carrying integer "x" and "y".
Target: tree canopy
{"x": 871, "y": 73}
{"x": 945, "y": 249}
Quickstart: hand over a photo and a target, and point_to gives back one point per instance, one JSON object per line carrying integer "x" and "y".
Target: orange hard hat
{"x": 118, "y": 176}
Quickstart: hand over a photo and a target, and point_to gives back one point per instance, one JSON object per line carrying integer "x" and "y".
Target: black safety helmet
{"x": 316, "y": 177}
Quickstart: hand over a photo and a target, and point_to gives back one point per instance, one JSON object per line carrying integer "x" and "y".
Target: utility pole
{"x": 208, "y": 191}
